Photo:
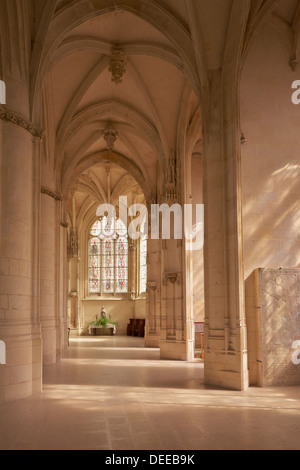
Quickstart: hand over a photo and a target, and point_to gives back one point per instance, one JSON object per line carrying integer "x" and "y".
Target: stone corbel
{"x": 172, "y": 277}
{"x": 152, "y": 285}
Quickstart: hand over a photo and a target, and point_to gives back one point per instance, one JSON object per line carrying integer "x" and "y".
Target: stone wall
{"x": 273, "y": 324}
{"x": 119, "y": 311}
{"x": 270, "y": 157}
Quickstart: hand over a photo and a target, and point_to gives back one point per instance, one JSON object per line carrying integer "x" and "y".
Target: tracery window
{"x": 143, "y": 263}
{"x": 108, "y": 257}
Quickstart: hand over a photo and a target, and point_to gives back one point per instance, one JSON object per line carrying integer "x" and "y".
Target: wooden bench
{"x": 136, "y": 327}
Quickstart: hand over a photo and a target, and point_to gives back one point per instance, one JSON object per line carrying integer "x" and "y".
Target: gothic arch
{"x": 107, "y": 156}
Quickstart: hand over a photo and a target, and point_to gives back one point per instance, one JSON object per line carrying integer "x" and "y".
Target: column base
{"x": 225, "y": 370}
{"x": 55, "y": 340}
{"x": 177, "y": 350}
{"x": 21, "y": 376}
{"x": 152, "y": 341}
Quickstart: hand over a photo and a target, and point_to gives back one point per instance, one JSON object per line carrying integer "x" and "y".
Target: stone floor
{"x": 113, "y": 394}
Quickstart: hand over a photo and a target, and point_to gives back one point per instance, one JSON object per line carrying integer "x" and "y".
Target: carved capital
{"x": 13, "y": 118}
{"x": 53, "y": 194}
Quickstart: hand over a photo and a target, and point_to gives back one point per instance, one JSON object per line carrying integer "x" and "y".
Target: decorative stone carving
{"x": 170, "y": 195}
{"x": 53, "y": 194}
{"x": 117, "y": 65}
{"x": 151, "y": 285}
{"x": 21, "y": 122}
{"x": 73, "y": 244}
{"x": 110, "y": 136}
{"x": 172, "y": 277}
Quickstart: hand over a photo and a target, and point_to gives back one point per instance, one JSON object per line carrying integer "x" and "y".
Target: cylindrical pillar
{"x": 19, "y": 318}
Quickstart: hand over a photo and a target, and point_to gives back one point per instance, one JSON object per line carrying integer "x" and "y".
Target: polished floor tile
{"x": 114, "y": 394}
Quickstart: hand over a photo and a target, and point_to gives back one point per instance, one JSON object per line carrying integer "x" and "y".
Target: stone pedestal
{"x": 273, "y": 325}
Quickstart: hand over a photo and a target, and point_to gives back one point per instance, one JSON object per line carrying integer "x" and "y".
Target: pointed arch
{"x": 105, "y": 156}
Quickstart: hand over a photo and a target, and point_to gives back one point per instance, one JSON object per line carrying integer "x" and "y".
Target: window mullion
{"x": 115, "y": 267}
{"x": 101, "y": 266}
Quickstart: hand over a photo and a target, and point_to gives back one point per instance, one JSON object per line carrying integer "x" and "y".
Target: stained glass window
{"x": 121, "y": 264}
{"x": 94, "y": 265}
{"x": 143, "y": 263}
{"x": 108, "y": 257}
{"x": 108, "y": 275}
{"x": 96, "y": 229}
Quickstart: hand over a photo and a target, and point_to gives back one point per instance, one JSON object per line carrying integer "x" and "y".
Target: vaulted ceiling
{"x": 86, "y": 105}
{"x": 169, "y": 48}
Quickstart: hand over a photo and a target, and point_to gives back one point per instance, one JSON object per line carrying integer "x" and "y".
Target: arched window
{"x": 143, "y": 261}
{"x": 108, "y": 257}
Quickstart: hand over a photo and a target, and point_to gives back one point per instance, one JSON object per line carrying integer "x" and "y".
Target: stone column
{"x": 19, "y": 211}
{"x": 62, "y": 286}
{"x": 174, "y": 339}
{"x": 74, "y": 273}
{"x": 153, "y": 301}
{"x": 19, "y": 290}
{"x": 50, "y": 260}
{"x": 132, "y": 272}
{"x": 225, "y": 326}
{"x": 176, "y": 319}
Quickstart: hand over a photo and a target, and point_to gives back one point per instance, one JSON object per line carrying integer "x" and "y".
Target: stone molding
{"x": 13, "y": 118}
{"x": 53, "y": 194}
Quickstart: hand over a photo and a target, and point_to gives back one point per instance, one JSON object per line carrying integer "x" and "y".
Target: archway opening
{"x": 123, "y": 116}
{"x": 107, "y": 270}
